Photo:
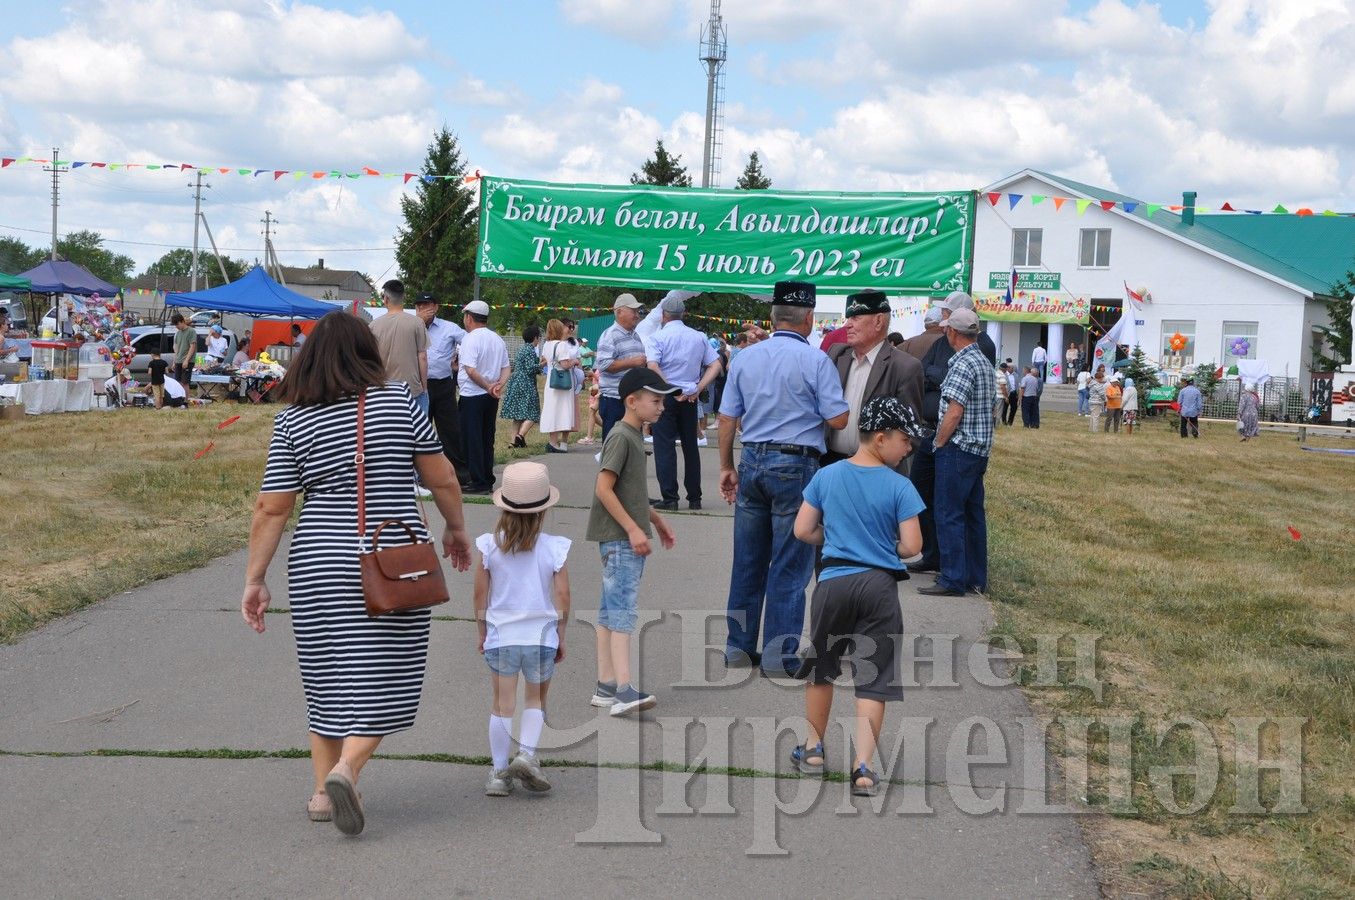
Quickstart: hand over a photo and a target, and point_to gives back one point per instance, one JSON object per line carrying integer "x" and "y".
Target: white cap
{"x": 477, "y": 307}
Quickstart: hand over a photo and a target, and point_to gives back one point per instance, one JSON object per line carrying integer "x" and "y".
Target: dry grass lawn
{"x": 1177, "y": 552}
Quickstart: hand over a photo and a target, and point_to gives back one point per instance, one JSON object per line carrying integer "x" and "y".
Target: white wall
{"x": 1186, "y": 282}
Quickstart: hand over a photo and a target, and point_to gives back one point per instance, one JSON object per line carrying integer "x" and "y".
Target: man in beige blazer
{"x": 869, "y": 367}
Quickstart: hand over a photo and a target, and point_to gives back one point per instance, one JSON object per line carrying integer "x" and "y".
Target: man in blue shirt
{"x": 443, "y": 340}
{"x": 684, "y": 358}
{"x": 1192, "y": 404}
{"x": 963, "y": 443}
{"x": 783, "y": 391}
{"x": 619, "y": 349}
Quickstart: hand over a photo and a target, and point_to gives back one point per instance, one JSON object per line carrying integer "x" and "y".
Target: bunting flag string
{"x": 993, "y": 197}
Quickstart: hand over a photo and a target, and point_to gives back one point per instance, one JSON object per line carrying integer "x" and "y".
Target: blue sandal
{"x": 868, "y": 790}
{"x": 800, "y": 756}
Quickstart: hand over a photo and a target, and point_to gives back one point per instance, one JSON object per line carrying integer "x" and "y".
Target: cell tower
{"x": 713, "y": 50}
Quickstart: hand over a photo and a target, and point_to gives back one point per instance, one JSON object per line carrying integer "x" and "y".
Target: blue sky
{"x": 1242, "y": 100}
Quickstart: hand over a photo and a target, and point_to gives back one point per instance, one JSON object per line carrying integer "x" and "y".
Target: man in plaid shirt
{"x": 964, "y": 440}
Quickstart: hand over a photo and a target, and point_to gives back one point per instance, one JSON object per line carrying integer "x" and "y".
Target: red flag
{"x": 993, "y": 198}
{"x": 98, "y": 165}
{"x": 231, "y": 421}
{"x": 469, "y": 178}
{"x": 278, "y": 173}
{"x": 6, "y": 161}
{"x": 1227, "y": 207}
{"x": 183, "y": 166}
{"x": 408, "y": 175}
{"x": 1294, "y": 533}
{"x": 205, "y": 450}
{"x": 1107, "y": 205}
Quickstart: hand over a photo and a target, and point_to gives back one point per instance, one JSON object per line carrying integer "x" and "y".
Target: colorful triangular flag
{"x": 1058, "y": 203}
{"x": 1280, "y": 209}
{"x": 1152, "y": 208}
{"x": 1082, "y": 206}
{"x": 993, "y": 197}
{"x": 1013, "y": 199}
{"x": 1107, "y": 205}
{"x": 1036, "y": 199}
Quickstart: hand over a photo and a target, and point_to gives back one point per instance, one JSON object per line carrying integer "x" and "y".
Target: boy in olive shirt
{"x": 620, "y": 523}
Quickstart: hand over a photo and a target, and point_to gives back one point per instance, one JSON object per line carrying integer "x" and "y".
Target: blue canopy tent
{"x": 59, "y": 276}
{"x": 254, "y": 295}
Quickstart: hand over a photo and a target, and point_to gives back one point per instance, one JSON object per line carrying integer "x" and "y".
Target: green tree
{"x": 178, "y": 263}
{"x": 665, "y": 169}
{"x": 17, "y": 257}
{"x": 86, "y": 248}
{"x": 753, "y": 178}
{"x": 1143, "y": 372}
{"x": 436, "y": 246}
{"x": 1337, "y": 334}
{"x": 1206, "y": 378}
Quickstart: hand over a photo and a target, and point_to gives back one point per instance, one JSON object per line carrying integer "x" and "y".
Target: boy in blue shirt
{"x": 864, "y": 515}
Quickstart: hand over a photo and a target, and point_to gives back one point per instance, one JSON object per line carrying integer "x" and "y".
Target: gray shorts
{"x": 856, "y": 619}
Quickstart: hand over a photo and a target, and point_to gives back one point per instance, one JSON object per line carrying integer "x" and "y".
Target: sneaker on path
{"x": 525, "y": 769}
{"x": 500, "y": 783}
{"x": 701, "y": 441}
{"x": 422, "y": 492}
{"x": 604, "y": 695}
{"x": 629, "y": 699}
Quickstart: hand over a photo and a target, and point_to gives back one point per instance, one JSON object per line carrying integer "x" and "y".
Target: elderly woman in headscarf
{"x": 1129, "y": 405}
{"x": 1248, "y": 413}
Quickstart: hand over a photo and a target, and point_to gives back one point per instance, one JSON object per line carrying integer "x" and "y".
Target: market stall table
{"x": 55, "y": 395}
{"x": 212, "y": 387}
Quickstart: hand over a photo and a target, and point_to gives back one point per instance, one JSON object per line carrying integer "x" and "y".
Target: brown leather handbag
{"x": 400, "y": 578}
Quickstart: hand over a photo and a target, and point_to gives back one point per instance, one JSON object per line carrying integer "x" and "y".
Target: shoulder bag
{"x": 560, "y": 379}
{"x": 396, "y": 579}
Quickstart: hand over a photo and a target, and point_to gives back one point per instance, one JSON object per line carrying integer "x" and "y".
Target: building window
{"x": 1026, "y": 246}
{"x": 1238, "y": 336}
{"x": 1185, "y": 356}
{"x": 1095, "y": 252}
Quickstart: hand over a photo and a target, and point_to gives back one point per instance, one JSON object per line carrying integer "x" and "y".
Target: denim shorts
{"x": 621, "y": 571}
{"x": 537, "y": 664}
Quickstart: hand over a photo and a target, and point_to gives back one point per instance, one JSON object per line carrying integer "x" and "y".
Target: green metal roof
{"x": 1312, "y": 252}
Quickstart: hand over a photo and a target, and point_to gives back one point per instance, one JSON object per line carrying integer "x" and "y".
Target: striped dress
{"x": 361, "y": 676}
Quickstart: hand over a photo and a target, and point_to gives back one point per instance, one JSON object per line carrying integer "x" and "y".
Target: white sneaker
{"x": 500, "y": 783}
{"x": 422, "y": 492}
{"x": 525, "y": 769}
{"x": 701, "y": 441}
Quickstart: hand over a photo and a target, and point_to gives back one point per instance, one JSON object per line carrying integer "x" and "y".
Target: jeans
{"x": 1030, "y": 412}
{"x": 677, "y": 421}
{"x": 447, "y": 420}
{"x": 610, "y": 410}
{"x": 536, "y": 664}
{"x": 478, "y": 416}
{"x": 1084, "y": 405}
{"x": 961, "y": 525}
{"x": 923, "y": 477}
{"x": 421, "y": 401}
{"x": 770, "y": 564}
{"x": 621, "y": 571}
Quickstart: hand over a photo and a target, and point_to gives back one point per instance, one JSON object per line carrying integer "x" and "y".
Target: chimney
{"x": 322, "y": 259}
{"x": 1187, "y": 209}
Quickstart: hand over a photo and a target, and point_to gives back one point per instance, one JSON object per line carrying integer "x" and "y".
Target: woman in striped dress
{"x": 362, "y": 677}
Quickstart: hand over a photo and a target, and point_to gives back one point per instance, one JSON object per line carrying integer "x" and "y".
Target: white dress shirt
{"x": 484, "y": 351}
{"x": 848, "y": 439}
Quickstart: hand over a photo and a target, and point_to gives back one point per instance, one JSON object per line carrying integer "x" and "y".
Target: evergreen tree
{"x": 1337, "y": 334}
{"x": 1206, "y": 378}
{"x": 436, "y": 246}
{"x": 665, "y": 168}
{"x": 1143, "y": 372}
{"x": 753, "y": 178}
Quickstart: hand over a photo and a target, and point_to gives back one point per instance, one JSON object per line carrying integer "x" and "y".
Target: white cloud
{"x": 637, "y": 20}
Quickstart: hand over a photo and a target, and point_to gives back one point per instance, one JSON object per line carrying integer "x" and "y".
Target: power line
{"x": 239, "y": 249}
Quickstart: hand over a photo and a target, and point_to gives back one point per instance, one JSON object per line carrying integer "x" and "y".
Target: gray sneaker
{"x": 604, "y": 695}
{"x": 629, "y": 699}
{"x": 525, "y": 769}
{"x": 500, "y": 783}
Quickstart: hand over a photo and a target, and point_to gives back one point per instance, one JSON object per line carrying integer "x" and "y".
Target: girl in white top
{"x": 216, "y": 345}
{"x": 521, "y": 604}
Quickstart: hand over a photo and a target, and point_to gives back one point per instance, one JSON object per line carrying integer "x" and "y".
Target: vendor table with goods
{"x": 50, "y": 396}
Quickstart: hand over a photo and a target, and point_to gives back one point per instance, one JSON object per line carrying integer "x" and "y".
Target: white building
{"x": 1213, "y": 279}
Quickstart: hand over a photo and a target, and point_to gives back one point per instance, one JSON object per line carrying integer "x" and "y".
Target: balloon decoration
{"x": 1178, "y": 342}
{"x": 1239, "y": 347}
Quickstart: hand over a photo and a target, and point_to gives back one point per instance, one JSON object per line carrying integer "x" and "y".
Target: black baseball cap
{"x": 643, "y": 379}
{"x": 891, "y": 414}
{"x": 425, "y": 297}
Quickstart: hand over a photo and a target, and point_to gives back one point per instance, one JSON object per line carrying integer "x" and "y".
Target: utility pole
{"x": 56, "y": 168}
{"x": 713, "y": 52}
{"x": 270, "y": 255}
{"x": 197, "y": 219}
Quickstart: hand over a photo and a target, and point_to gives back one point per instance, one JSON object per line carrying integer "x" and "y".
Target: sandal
{"x": 518, "y": 442}
{"x": 347, "y": 803}
{"x": 801, "y": 755}
{"x": 319, "y": 809}
{"x": 867, "y": 790}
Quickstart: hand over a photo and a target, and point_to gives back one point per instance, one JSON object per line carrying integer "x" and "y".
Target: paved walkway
{"x": 95, "y": 811}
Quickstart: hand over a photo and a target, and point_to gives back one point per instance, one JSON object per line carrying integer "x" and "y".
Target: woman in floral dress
{"x": 521, "y": 403}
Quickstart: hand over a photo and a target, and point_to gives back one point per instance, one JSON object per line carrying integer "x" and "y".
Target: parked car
{"x": 147, "y": 339}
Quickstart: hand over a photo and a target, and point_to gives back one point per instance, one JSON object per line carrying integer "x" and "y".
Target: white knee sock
{"x": 532, "y": 721}
{"x": 500, "y": 739}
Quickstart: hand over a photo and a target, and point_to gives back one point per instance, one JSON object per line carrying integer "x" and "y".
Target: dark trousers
{"x": 1194, "y": 422}
{"x": 183, "y": 373}
{"x": 610, "y": 410}
{"x": 1030, "y": 412}
{"x": 478, "y": 416}
{"x": 677, "y": 422}
{"x": 923, "y": 476}
{"x": 961, "y": 524}
{"x": 1013, "y": 402}
{"x": 447, "y": 420}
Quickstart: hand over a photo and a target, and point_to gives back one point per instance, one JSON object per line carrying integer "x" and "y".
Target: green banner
{"x": 1031, "y": 308}
{"x": 1025, "y": 281}
{"x": 725, "y": 240}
